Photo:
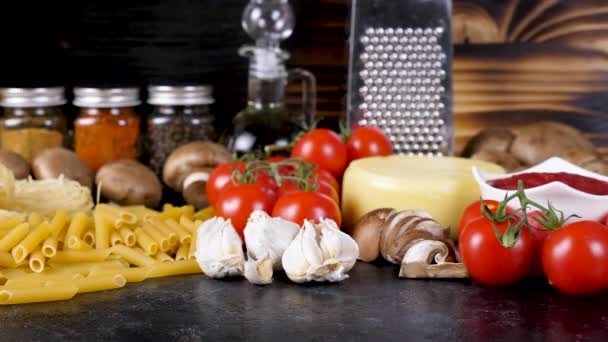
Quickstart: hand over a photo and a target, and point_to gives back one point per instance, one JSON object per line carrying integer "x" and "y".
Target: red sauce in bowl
{"x": 534, "y": 179}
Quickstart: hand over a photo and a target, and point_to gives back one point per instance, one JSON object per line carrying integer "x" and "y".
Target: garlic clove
{"x": 293, "y": 260}
{"x": 219, "y": 250}
{"x": 259, "y": 271}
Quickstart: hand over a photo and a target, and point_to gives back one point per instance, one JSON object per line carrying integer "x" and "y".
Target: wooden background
{"x": 516, "y": 61}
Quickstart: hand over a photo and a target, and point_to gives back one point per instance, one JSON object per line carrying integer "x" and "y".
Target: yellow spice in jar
{"x": 29, "y": 141}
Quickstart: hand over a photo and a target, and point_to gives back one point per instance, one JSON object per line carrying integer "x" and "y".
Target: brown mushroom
{"x": 430, "y": 259}
{"x": 16, "y": 163}
{"x": 504, "y": 159}
{"x": 54, "y": 162}
{"x": 128, "y": 182}
{"x": 366, "y": 233}
{"x": 187, "y": 169}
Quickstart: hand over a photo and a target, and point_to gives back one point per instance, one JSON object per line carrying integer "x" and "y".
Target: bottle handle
{"x": 309, "y": 92}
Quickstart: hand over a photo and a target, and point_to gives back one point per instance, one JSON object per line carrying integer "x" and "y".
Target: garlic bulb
{"x": 266, "y": 239}
{"x": 269, "y": 235}
{"x": 320, "y": 252}
{"x": 219, "y": 250}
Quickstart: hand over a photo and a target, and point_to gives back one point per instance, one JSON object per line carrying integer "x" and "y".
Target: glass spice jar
{"x": 33, "y": 120}
{"x": 107, "y": 127}
{"x": 181, "y": 115}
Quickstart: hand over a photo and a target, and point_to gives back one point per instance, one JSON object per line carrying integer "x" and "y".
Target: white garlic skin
{"x": 219, "y": 250}
{"x": 320, "y": 252}
{"x": 265, "y": 235}
{"x": 260, "y": 271}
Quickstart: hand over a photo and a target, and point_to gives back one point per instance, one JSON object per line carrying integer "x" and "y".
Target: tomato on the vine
{"x": 488, "y": 261}
{"x": 473, "y": 212}
{"x": 238, "y": 202}
{"x": 368, "y": 141}
{"x": 323, "y": 175}
{"x": 575, "y": 258}
{"x": 325, "y": 148}
{"x": 307, "y": 205}
{"x": 290, "y": 187}
{"x": 220, "y": 178}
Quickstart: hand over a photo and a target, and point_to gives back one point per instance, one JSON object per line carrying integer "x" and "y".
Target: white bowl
{"x": 563, "y": 197}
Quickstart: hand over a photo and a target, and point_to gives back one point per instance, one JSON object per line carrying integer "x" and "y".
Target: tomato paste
{"x": 535, "y": 179}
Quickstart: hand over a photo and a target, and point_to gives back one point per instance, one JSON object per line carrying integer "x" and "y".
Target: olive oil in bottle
{"x": 266, "y": 121}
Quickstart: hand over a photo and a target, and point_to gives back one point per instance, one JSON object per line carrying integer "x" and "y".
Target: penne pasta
{"x": 203, "y": 214}
{"x": 7, "y": 260}
{"x": 141, "y": 212}
{"x": 103, "y": 227}
{"x": 88, "y": 267}
{"x": 34, "y": 219}
{"x": 155, "y": 233}
{"x": 89, "y": 237}
{"x": 31, "y": 241}
{"x": 79, "y": 245}
{"x": 166, "y": 231}
{"x": 37, "y": 261}
{"x": 187, "y": 223}
{"x": 59, "y": 222}
{"x": 192, "y": 250}
{"x": 182, "y": 252}
{"x": 145, "y": 241}
{"x": 49, "y": 247}
{"x": 133, "y": 256}
{"x": 117, "y": 213}
{"x": 184, "y": 236}
{"x": 75, "y": 257}
{"x": 128, "y": 236}
{"x": 167, "y": 206}
{"x": 3, "y": 279}
{"x": 166, "y": 269}
{"x": 16, "y": 235}
{"x": 116, "y": 239}
{"x": 79, "y": 224}
{"x": 24, "y": 295}
{"x": 12, "y": 273}
{"x": 10, "y": 223}
{"x": 100, "y": 283}
{"x": 163, "y": 257}
{"x": 132, "y": 275}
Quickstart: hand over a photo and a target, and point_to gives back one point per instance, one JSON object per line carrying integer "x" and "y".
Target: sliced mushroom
{"x": 367, "y": 231}
{"x": 187, "y": 169}
{"x": 53, "y": 162}
{"x": 16, "y": 163}
{"x": 431, "y": 259}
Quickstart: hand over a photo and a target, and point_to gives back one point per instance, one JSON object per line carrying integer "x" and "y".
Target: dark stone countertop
{"x": 371, "y": 305}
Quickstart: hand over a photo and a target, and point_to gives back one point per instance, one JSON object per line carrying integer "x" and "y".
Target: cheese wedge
{"x": 441, "y": 186}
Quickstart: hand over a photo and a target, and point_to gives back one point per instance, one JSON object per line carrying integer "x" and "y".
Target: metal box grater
{"x": 400, "y": 72}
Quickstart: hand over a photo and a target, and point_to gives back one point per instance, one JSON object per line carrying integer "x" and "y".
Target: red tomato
{"x": 219, "y": 178}
{"x": 473, "y": 212}
{"x": 368, "y": 141}
{"x": 575, "y": 258}
{"x": 488, "y": 261}
{"x": 299, "y": 206}
{"x": 537, "y": 228}
{"x": 325, "y": 148}
{"x": 290, "y": 187}
{"x": 237, "y": 203}
{"x": 324, "y": 175}
{"x": 268, "y": 184}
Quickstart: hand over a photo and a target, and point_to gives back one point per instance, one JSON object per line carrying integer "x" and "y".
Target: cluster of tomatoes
{"x": 304, "y": 186}
{"x": 573, "y": 257}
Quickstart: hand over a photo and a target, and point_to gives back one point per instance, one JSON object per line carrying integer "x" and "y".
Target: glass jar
{"x": 33, "y": 120}
{"x": 181, "y": 115}
{"x": 107, "y": 127}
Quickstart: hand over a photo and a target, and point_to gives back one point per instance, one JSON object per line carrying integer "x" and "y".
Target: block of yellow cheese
{"x": 442, "y": 186}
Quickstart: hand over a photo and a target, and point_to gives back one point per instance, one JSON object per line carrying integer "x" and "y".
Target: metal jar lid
{"x": 32, "y": 97}
{"x": 106, "y": 97}
{"x": 161, "y": 95}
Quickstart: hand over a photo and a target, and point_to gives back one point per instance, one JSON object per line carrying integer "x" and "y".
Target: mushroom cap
{"x": 128, "y": 182}
{"x": 16, "y": 163}
{"x": 367, "y": 231}
{"x": 190, "y": 158}
{"x": 492, "y": 139}
{"x": 57, "y": 161}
